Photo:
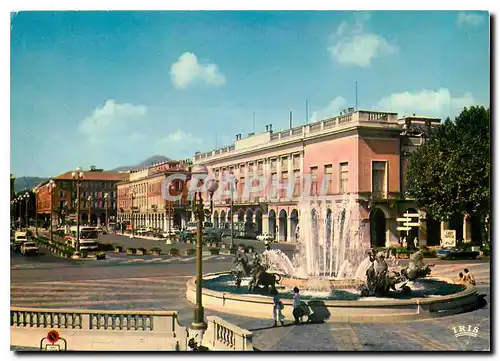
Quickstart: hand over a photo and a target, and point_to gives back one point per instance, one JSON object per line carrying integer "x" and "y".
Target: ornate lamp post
{"x": 50, "y": 186}
{"x": 77, "y": 178}
{"x": 89, "y": 199}
{"x": 169, "y": 211}
{"x": 35, "y": 192}
{"x": 106, "y": 200}
{"x": 200, "y": 172}
{"x": 234, "y": 184}
{"x": 26, "y": 199}
{"x": 132, "y": 196}
{"x": 12, "y": 216}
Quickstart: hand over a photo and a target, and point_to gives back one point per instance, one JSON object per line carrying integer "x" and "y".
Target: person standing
{"x": 277, "y": 308}
{"x": 297, "y": 310}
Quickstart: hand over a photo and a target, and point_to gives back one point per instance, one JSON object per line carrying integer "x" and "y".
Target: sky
{"x": 113, "y": 88}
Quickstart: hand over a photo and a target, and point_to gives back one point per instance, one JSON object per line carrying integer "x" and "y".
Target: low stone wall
{"x": 221, "y": 335}
{"x": 99, "y": 330}
{"x": 383, "y": 310}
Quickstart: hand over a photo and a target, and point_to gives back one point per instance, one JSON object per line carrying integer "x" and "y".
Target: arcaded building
{"x": 359, "y": 153}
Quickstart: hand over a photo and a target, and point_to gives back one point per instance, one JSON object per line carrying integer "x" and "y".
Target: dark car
{"x": 456, "y": 253}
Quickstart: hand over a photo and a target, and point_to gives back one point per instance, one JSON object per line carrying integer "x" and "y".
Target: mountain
{"x": 147, "y": 162}
{"x": 23, "y": 183}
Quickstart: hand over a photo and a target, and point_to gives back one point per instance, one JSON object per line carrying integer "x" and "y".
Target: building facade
{"x": 359, "y": 154}
{"x": 95, "y": 184}
{"x": 141, "y": 202}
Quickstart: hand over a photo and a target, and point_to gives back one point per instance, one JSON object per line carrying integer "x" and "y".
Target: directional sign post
{"x": 403, "y": 219}
{"x": 411, "y": 224}
{"x": 403, "y": 229}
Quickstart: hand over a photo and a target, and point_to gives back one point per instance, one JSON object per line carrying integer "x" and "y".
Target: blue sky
{"x": 113, "y": 88}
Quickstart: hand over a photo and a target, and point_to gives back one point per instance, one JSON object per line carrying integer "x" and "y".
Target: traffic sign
{"x": 403, "y": 228}
{"x": 403, "y": 219}
{"x": 412, "y": 224}
{"x": 411, "y": 215}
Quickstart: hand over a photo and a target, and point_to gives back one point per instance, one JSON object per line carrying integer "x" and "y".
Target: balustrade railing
{"x": 223, "y": 335}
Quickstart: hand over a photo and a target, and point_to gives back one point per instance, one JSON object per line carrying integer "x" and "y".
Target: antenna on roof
{"x": 356, "y": 95}
{"x": 253, "y": 117}
{"x": 307, "y": 111}
{"x": 290, "y": 119}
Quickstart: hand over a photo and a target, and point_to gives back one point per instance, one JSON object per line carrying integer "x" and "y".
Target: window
{"x": 314, "y": 183}
{"x": 274, "y": 165}
{"x": 296, "y": 161}
{"x": 274, "y": 182}
{"x": 260, "y": 167}
{"x": 379, "y": 179}
{"x": 344, "y": 177}
{"x": 284, "y": 181}
{"x": 296, "y": 185}
{"x": 250, "y": 167}
{"x": 284, "y": 163}
{"x": 328, "y": 173}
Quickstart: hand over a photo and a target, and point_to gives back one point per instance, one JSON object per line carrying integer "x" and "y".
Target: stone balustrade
{"x": 99, "y": 329}
{"x": 222, "y": 335}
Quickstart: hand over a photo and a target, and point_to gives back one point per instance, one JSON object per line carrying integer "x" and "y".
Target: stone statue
{"x": 242, "y": 268}
{"x": 404, "y": 243}
{"x": 379, "y": 280}
{"x": 416, "y": 268}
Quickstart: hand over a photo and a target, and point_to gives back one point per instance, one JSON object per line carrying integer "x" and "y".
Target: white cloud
{"x": 178, "y": 141}
{"x": 353, "y": 46}
{"x": 187, "y": 69}
{"x": 332, "y": 109}
{"x": 111, "y": 116}
{"x": 426, "y": 102}
{"x": 471, "y": 19}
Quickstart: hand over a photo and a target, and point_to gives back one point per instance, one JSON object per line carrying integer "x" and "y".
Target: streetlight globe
{"x": 105, "y": 195}
{"x": 212, "y": 186}
{"x": 73, "y": 175}
{"x": 78, "y": 169}
{"x": 80, "y": 175}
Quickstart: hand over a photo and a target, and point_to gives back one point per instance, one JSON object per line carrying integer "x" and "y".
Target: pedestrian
{"x": 297, "y": 310}
{"x": 460, "y": 279}
{"x": 468, "y": 277}
{"x": 277, "y": 308}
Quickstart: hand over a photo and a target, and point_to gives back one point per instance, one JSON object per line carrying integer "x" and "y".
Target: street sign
{"x": 403, "y": 228}
{"x": 449, "y": 238}
{"x": 412, "y": 224}
{"x": 403, "y": 219}
{"x": 52, "y": 348}
{"x": 413, "y": 215}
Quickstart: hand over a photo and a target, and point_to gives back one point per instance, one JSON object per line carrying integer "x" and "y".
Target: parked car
{"x": 265, "y": 237}
{"x": 456, "y": 253}
{"x": 29, "y": 248}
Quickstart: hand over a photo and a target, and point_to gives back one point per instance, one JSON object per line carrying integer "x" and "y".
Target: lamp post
{"x": 168, "y": 210}
{"x": 77, "y": 178}
{"x": 199, "y": 172}
{"x": 132, "y": 196}
{"x": 26, "y": 199}
{"x": 50, "y": 186}
{"x": 35, "y": 192}
{"x": 234, "y": 183}
{"x": 12, "y": 212}
{"x": 106, "y": 200}
{"x": 89, "y": 199}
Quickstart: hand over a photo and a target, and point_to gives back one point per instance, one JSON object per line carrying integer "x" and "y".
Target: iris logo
{"x": 466, "y": 331}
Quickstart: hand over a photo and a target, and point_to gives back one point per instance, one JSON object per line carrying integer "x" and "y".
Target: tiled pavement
{"x": 168, "y": 293}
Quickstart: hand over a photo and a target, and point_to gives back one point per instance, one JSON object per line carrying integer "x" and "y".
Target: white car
{"x": 29, "y": 248}
{"x": 265, "y": 237}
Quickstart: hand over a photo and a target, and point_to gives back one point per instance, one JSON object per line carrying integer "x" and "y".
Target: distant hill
{"x": 147, "y": 162}
{"x": 23, "y": 183}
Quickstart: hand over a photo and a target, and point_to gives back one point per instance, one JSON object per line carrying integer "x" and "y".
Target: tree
{"x": 449, "y": 175}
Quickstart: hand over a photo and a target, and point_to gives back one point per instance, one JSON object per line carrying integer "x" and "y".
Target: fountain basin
{"x": 362, "y": 310}
{"x": 331, "y": 283}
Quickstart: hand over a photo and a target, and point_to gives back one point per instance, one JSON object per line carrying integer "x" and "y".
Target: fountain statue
{"x": 379, "y": 279}
{"x": 257, "y": 270}
{"x": 416, "y": 268}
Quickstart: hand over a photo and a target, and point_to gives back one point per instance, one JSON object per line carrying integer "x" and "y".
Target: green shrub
{"x": 214, "y": 251}
{"x": 190, "y": 252}
{"x": 84, "y": 254}
{"x": 100, "y": 255}
{"x": 29, "y": 233}
{"x": 249, "y": 249}
{"x": 174, "y": 252}
{"x": 156, "y": 250}
{"x": 131, "y": 250}
{"x": 486, "y": 251}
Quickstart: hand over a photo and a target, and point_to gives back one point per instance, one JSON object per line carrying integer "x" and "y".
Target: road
{"x": 48, "y": 281}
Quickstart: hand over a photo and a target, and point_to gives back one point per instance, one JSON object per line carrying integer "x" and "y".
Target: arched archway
{"x": 272, "y": 222}
{"x": 216, "y": 219}
{"x": 377, "y": 228}
{"x": 241, "y": 215}
{"x": 222, "y": 218}
{"x": 294, "y": 222}
{"x": 258, "y": 221}
{"x": 282, "y": 225}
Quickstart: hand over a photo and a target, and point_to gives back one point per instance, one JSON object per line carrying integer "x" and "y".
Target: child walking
{"x": 277, "y": 308}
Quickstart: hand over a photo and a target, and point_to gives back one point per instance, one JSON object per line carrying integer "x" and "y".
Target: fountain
{"x": 335, "y": 269}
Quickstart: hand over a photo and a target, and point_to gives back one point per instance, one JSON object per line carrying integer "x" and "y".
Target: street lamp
{"x": 200, "y": 172}
{"x": 169, "y": 211}
{"x": 234, "y": 184}
{"x": 77, "y": 177}
{"x": 89, "y": 199}
{"x": 50, "y": 186}
{"x": 35, "y": 191}
{"x": 132, "y": 196}
{"x": 26, "y": 198}
{"x": 106, "y": 200}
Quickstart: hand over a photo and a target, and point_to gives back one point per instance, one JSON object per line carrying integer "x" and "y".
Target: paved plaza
{"x": 159, "y": 283}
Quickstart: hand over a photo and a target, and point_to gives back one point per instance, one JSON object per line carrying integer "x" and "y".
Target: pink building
{"x": 359, "y": 153}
